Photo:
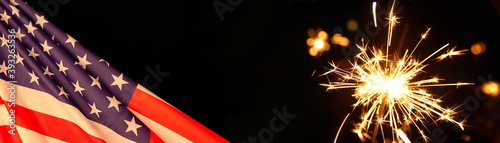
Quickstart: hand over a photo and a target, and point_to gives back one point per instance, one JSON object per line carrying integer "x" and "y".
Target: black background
{"x": 229, "y": 75}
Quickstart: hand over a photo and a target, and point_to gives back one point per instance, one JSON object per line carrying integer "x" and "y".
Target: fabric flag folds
{"x": 55, "y": 90}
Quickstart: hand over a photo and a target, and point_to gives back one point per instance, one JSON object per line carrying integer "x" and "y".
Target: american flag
{"x": 55, "y": 90}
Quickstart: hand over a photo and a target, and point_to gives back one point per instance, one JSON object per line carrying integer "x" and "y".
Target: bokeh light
{"x": 344, "y": 42}
{"x": 465, "y": 137}
{"x": 317, "y": 41}
{"x": 310, "y": 41}
{"x": 478, "y": 48}
{"x": 352, "y": 25}
{"x": 313, "y": 51}
{"x": 318, "y": 44}
{"x": 338, "y": 39}
{"x": 491, "y": 88}
{"x": 311, "y": 32}
{"x": 322, "y": 35}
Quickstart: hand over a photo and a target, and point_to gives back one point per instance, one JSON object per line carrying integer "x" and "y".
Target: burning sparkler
{"x": 385, "y": 89}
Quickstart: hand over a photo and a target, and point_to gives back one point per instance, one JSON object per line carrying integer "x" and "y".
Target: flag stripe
{"x": 154, "y": 138}
{"x": 29, "y": 136}
{"x": 51, "y": 126}
{"x": 5, "y": 137}
{"x": 144, "y": 103}
{"x": 46, "y": 104}
{"x": 166, "y": 135}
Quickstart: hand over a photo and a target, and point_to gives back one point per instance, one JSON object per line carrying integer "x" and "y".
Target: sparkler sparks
{"x": 452, "y": 52}
{"x": 374, "y": 12}
{"x": 386, "y": 90}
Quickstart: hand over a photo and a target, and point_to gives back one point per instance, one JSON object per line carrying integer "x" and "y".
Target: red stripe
{"x": 52, "y": 126}
{"x": 5, "y": 137}
{"x": 154, "y": 138}
{"x": 173, "y": 119}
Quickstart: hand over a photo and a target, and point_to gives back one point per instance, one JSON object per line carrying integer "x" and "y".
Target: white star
{"x": 62, "y": 92}
{"x": 62, "y": 68}
{"x": 94, "y": 110}
{"x": 46, "y": 47}
{"x": 31, "y": 29}
{"x": 19, "y": 35}
{"x": 83, "y": 61}
{"x": 19, "y": 59}
{"x": 33, "y": 77}
{"x": 5, "y": 17}
{"x": 13, "y": 2}
{"x": 15, "y": 11}
{"x": 47, "y": 72}
{"x": 71, "y": 40}
{"x": 33, "y": 54}
{"x": 4, "y": 41}
{"x": 118, "y": 81}
{"x": 40, "y": 20}
{"x": 3, "y": 68}
{"x": 78, "y": 88}
{"x": 102, "y": 60}
{"x": 95, "y": 81}
{"x": 132, "y": 126}
{"x": 113, "y": 103}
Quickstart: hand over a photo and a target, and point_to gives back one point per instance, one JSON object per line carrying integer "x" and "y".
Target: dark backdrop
{"x": 231, "y": 74}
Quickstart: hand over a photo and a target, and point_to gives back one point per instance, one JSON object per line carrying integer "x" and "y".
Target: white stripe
{"x": 3, "y": 115}
{"x": 165, "y": 134}
{"x": 29, "y": 136}
{"x": 45, "y": 103}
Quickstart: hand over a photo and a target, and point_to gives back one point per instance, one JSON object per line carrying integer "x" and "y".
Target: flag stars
{"x": 47, "y": 72}
{"x": 95, "y": 81}
{"x": 31, "y": 28}
{"x": 34, "y": 78}
{"x": 3, "y": 68}
{"x": 4, "y": 41}
{"x": 13, "y": 2}
{"x": 83, "y": 61}
{"x": 62, "y": 92}
{"x": 78, "y": 88}
{"x": 15, "y": 11}
{"x": 33, "y": 54}
{"x": 113, "y": 103}
{"x": 40, "y": 20}
{"x": 118, "y": 81}
{"x": 19, "y": 59}
{"x": 102, "y": 60}
{"x": 132, "y": 126}
{"x": 19, "y": 35}
{"x": 71, "y": 40}
{"x": 62, "y": 68}
{"x": 5, "y": 17}
{"x": 46, "y": 47}
{"x": 94, "y": 109}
